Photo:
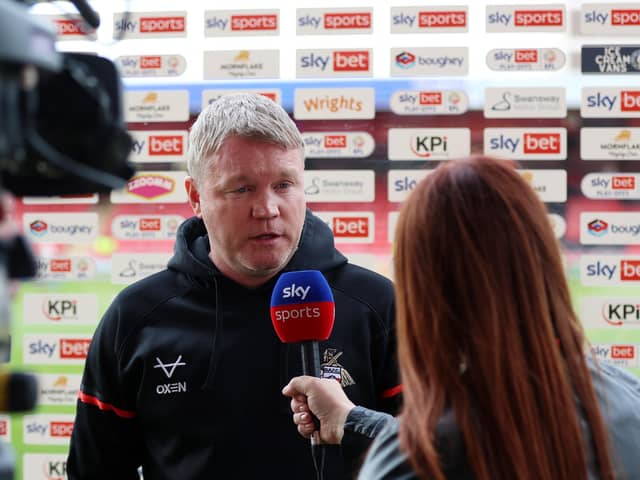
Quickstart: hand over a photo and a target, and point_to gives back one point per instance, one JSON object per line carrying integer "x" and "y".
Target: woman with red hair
{"x": 498, "y": 380}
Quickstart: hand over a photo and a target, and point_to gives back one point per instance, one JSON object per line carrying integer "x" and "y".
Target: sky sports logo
{"x": 425, "y": 19}
{"x": 606, "y": 270}
{"x": 344, "y": 63}
{"x": 218, "y": 23}
{"x": 525, "y": 18}
{"x": 47, "y": 429}
{"x": 526, "y": 143}
{"x": 611, "y": 186}
{"x": 610, "y": 102}
{"x": 620, "y": 19}
{"x": 319, "y": 21}
{"x": 72, "y": 27}
{"x": 149, "y": 24}
{"x": 610, "y": 228}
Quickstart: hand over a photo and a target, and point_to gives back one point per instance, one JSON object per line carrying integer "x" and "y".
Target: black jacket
{"x": 184, "y": 373}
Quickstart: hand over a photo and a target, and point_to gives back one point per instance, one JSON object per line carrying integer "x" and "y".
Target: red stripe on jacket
{"x": 91, "y": 400}
{"x": 392, "y": 392}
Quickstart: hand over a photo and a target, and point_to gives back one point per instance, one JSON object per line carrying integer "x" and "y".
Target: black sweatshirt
{"x": 184, "y": 373}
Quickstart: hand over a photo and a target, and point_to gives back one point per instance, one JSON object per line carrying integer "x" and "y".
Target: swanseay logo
{"x": 150, "y": 186}
{"x": 597, "y": 227}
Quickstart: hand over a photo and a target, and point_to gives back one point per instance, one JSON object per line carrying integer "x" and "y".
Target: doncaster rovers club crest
{"x": 330, "y": 368}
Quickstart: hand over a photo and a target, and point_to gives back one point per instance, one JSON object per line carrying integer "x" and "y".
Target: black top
{"x": 184, "y": 373}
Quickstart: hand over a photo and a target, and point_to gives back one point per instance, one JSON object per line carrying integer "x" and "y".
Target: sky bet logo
{"x": 526, "y": 143}
{"x": 610, "y": 102}
{"x": 609, "y": 270}
{"x": 312, "y": 63}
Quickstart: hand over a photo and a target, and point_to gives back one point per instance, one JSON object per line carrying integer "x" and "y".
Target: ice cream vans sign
{"x": 526, "y": 18}
{"x": 525, "y": 59}
{"x": 150, "y": 25}
{"x": 337, "y": 144}
{"x": 337, "y": 21}
{"x": 611, "y": 186}
{"x": 152, "y": 187}
{"x": 429, "y": 102}
{"x": 610, "y": 19}
{"x": 151, "y": 65}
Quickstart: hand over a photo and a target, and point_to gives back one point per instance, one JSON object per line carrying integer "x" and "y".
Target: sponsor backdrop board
{"x": 382, "y": 95}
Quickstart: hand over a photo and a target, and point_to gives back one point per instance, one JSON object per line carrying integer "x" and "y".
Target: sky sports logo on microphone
{"x": 302, "y": 307}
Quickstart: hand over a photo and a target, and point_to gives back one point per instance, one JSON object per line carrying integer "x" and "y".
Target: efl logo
{"x": 625, "y": 17}
{"x": 335, "y": 141}
{"x": 61, "y": 429}
{"x": 526, "y": 56}
{"x": 630, "y": 101}
{"x": 254, "y": 22}
{"x": 446, "y": 19}
{"x": 430, "y": 98}
{"x": 623, "y": 183}
{"x": 630, "y": 270}
{"x": 542, "y": 143}
{"x": 150, "y": 61}
{"x": 355, "y": 61}
{"x": 334, "y": 21}
{"x": 166, "y": 145}
{"x": 162, "y": 24}
{"x": 623, "y": 352}
{"x": 150, "y": 225}
{"x": 350, "y": 227}
{"x": 539, "y": 18}
{"x": 76, "y": 348}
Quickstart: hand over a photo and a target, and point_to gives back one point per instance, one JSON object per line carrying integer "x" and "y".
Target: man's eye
{"x": 283, "y": 185}
{"x": 240, "y": 190}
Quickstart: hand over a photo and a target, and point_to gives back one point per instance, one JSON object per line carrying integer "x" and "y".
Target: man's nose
{"x": 265, "y": 206}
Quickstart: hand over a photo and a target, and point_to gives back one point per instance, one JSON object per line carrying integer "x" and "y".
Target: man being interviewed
{"x": 184, "y": 372}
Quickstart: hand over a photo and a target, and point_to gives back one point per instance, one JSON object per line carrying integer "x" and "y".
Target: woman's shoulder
{"x": 385, "y": 460}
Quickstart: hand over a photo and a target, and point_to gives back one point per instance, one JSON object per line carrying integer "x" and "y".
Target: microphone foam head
{"x": 302, "y": 307}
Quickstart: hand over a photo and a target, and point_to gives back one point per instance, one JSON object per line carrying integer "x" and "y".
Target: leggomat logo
{"x": 598, "y": 227}
{"x": 150, "y": 186}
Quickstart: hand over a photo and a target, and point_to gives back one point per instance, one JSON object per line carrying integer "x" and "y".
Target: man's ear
{"x": 193, "y": 195}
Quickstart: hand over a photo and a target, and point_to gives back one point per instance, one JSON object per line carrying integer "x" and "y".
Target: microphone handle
{"x": 310, "y": 353}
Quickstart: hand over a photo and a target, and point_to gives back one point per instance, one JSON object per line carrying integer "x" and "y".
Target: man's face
{"x": 251, "y": 199}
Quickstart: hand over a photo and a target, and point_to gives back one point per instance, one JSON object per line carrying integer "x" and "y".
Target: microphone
{"x": 87, "y": 13}
{"x": 18, "y": 392}
{"x": 303, "y": 312}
